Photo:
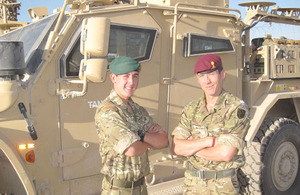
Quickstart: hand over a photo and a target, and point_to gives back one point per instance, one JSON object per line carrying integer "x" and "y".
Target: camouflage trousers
{"x": 223, "y": 186}
{"x": 108, "y": 189}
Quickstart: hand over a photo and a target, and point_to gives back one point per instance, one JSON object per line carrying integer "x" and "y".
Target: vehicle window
{"x": 198, "y": 44}
{"x": 130, "y": 41}
{"x": 123, "y": 41}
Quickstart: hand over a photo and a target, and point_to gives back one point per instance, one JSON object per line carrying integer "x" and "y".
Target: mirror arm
{"x": 74, "y": 94}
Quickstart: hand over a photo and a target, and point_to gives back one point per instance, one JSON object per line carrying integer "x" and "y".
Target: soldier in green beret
{"x": 126, "y": 132}
{"x": 211, "y": 133}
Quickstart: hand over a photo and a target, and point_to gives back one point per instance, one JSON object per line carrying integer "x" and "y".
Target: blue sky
{"x": 261, "y": 30}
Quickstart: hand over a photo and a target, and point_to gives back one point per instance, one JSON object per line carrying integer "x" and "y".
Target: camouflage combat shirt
{"x": 228, "y": 119}
{"x": 117, "y": 128}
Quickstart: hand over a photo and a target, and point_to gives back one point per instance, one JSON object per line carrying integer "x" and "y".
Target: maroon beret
{"x": 208, "y": 63}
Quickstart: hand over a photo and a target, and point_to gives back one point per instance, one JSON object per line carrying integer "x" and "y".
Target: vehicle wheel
{"x": 272, "y": 159}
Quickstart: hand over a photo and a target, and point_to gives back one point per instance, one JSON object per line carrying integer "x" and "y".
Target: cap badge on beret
{"x": 212, "y": 65}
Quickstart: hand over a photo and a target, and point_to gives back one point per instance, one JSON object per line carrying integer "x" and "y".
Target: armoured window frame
{"x": 190, "y": 40}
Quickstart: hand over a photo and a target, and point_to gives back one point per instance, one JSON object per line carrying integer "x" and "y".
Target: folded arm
{"x": 203, "y": 148}
{"x": 136, "y": 149}
{"x": 154, "y": 137}
{"x": 217, "y": 153}
{"x": 190, "y": 146}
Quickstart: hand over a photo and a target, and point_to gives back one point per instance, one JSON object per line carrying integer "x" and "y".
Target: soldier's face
{"x": 211, "y": 83}
{"x": 125, "y": 84}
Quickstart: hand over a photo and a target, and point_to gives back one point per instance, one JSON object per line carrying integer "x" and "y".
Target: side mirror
{"x": 94, "y": 46}
{"x": 95, "y": 71}
{"x": 95, "y": 36}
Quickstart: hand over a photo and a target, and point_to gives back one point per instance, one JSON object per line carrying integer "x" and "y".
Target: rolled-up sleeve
{"x": 235, "y": 128}
{"x": 116, "y": 132}
{"x": 183, "y": 130}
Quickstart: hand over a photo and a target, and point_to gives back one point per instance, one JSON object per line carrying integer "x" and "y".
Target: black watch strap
{"x": 142, "y": 135}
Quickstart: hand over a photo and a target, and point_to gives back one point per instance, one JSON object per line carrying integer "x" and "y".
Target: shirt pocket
{"x": 198, "y": 131}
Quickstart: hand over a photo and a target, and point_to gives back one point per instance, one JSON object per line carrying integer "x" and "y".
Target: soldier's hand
{"x": 154, "y": 128}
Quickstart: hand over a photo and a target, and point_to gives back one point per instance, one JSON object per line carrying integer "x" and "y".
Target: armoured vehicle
{"x": 53, "y": 75}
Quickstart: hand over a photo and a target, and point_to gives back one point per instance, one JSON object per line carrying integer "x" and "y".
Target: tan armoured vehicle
{"x": 53, "y": 75}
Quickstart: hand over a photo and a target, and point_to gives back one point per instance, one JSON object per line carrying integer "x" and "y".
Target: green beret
{"x": 123, "y": 65}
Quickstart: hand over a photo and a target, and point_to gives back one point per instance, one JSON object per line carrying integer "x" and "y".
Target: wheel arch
{"x": 17, "y": 163}
{"x": 296, "y": 102}
{"x": 270, "y": 105}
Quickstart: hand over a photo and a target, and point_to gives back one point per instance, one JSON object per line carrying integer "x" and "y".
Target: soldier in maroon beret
{"x": 210, "y": 80}
{"x": 211, "y": 133}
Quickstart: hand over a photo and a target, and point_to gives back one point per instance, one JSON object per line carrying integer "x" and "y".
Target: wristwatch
{"x": 141, "y": 134}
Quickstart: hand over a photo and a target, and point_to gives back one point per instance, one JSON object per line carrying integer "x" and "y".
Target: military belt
{"x": 209, "y": 174}
{"x": 125, "y": 184}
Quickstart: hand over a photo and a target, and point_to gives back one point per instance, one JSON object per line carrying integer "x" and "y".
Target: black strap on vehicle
{"x": 30, "y": 127}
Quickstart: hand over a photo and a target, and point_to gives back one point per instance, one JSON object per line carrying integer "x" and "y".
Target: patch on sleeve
{"x": 241, "y": 113}
{"x": 109, "y": 108}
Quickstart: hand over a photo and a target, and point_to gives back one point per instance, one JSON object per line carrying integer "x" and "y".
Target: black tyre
{"x": 272, "y": 159}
